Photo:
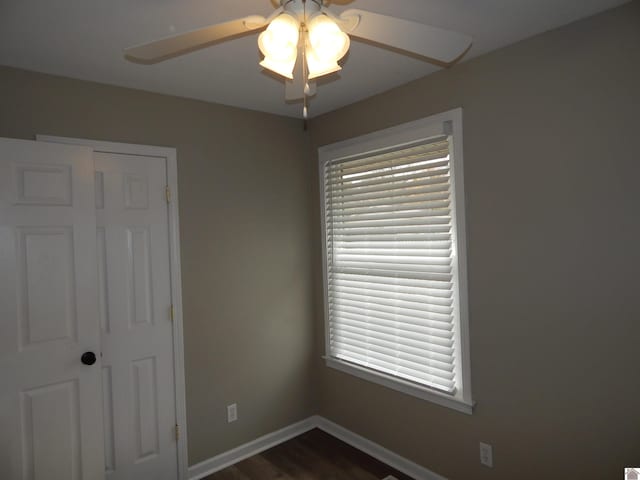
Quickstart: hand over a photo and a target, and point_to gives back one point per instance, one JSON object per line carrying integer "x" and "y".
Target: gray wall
{"x": 245, "y": 235}
{"x": 552, "y": 166}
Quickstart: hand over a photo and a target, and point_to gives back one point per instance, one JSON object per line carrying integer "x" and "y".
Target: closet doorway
{"x": 96, "y": 361}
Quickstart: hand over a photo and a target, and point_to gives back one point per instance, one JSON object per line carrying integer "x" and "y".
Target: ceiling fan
{"x": 304, "y": 40}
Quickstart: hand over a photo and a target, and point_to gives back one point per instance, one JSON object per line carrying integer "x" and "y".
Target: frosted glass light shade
{"x": 318, "y": 67}
{"x": 279, "y": 44}
{"x": 284, "y": 68}
{"x": 328, "y": 42}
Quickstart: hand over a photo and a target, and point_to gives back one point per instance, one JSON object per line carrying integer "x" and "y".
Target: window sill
{"x": 400, "y": 385}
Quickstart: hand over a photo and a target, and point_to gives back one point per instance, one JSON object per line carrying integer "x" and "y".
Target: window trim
{"x": 449, "y": 122}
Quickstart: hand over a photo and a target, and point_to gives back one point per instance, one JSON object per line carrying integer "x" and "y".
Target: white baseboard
{"x": 226, "y": 459}
{"x": 377, "y": 451}
{"x": 230, "y": 457}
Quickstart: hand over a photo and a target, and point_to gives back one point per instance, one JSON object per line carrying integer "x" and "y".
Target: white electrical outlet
{"x": 232, "y": 413}
{"x": 486, "y": 454}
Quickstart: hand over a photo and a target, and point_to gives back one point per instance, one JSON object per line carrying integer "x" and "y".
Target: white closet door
{"x": 50, "y": 402}
{"x": 137, "y": 333}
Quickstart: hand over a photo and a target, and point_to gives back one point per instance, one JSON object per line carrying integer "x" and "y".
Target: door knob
{"x": 88, "y": 358}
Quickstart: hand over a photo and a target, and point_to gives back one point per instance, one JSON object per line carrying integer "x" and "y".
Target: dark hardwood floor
{"x": 314, "y": 455}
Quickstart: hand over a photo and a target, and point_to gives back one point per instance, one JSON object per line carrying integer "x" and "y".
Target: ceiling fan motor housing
{"x": 300, "y": 7}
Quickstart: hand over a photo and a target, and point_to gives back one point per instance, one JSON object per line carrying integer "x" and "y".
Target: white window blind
{"x": 391, "y": 267}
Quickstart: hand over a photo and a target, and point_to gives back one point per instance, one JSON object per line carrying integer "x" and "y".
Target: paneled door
{"x": 135, "y": 317}
{"x": 50, "y": 369}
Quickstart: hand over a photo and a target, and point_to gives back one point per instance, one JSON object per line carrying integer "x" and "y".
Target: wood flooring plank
{"x": 311, "y": 465}
{"x": 260, "y": 467}
{"x": 314, "y": 455}
{"x": 231, "y": 473}
{"x": 349, "y": 458}
{"x": 334, "y": 462}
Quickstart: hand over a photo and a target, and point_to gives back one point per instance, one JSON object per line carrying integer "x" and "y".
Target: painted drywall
{"x": 552, "y": 164}
{"x": 245, "y": 237}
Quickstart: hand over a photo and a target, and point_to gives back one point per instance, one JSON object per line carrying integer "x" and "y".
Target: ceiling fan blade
{"x": 440, "y": 46}
{"x": 154, "y": 52}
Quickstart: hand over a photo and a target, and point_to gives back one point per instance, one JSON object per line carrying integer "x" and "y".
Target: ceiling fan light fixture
{"x": 306, "y": 37}
{"x": 329, "y": 43}
{"x": 279, "y": 43}
{"x": 284, "y": 68}
{"x": 318, "y": 67}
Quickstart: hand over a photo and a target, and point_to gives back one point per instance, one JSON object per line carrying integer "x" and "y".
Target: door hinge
{"x": 171, "y": 313}
{"x": 177, "y": 432}
{"x": 167, "y": 192}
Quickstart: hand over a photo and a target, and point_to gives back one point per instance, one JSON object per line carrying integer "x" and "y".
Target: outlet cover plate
{"x": 486, "y": 455}
{"x": 232, "y": 412}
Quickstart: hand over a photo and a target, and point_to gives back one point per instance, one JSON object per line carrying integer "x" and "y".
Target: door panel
{"x": 46, "y": 285}
{"x": 50, "y": 427}
{"x": 145, "y": 407}
{"x": 51, "y": 441}
{"x": 137, "y": 333}
{"x": 103, "y": 294}
{"x": 139, "y": 276}
{"x": 41, "y": 184}
{"x": 107, "y": 418}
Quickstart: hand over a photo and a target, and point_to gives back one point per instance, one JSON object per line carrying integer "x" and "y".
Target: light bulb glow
{"x": 318, "y": 67}
{"x": 328, "y": 42}
{"x": 284, "y": 68}
{"x": 279, "y": 44}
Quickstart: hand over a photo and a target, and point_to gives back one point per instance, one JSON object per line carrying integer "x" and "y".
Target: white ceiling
{"x": 84, "y": 39}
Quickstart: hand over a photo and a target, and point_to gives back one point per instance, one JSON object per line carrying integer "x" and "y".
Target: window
{"x": 394, "y": 246}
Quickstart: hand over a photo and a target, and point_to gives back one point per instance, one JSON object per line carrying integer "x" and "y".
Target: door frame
{"x": 169, "y": 155}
